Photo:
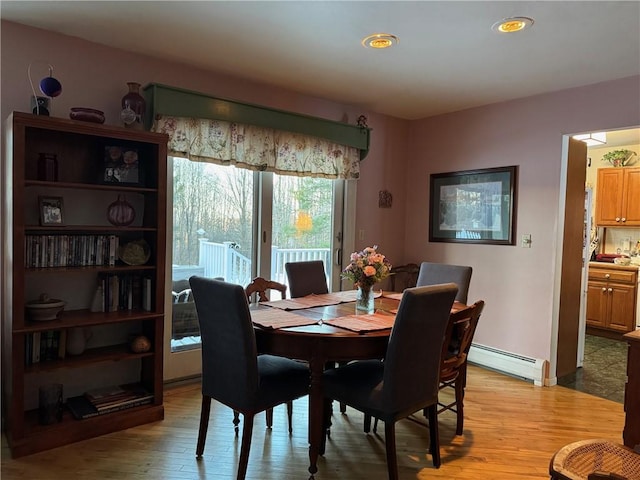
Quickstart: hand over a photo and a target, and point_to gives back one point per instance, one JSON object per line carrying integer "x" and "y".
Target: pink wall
{"x": 517, "y": 283}
{"x": 95, "y": 76}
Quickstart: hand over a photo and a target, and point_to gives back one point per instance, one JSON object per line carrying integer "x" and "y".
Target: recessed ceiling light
{"x": 511, "y": 25}
{"x": 380, "y": 40}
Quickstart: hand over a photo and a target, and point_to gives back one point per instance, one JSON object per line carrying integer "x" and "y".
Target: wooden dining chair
{"x": 403, "y": 276}
{"x": 260, "y": 286}
{"x": 453, "y": 369}
{"x": 306, "y": 278}
{"x": 389, "y": 389}
{"x": 435, "y": 273}
{"x": 232, "y": 371}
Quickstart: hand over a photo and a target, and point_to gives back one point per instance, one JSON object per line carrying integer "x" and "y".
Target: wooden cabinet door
{"x": 597, "y": 304}
{"x": 609, "y": 196}
{"x": 631, "y": 198}
{"x": 622, "y": 302}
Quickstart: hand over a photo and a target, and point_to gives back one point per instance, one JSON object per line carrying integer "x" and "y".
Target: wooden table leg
{"x": 316, "y": 366}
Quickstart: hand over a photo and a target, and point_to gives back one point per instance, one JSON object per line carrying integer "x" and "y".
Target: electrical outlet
{"x": 526, "y": 240}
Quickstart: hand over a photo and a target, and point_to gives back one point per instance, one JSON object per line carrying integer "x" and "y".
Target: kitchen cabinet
{"x": 618, "y": 197}
{"x": 611, "y": 297}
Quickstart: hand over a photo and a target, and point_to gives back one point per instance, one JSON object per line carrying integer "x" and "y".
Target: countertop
{"x": 631, "y": 268}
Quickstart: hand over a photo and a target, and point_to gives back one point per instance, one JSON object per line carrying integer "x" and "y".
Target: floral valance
{"x": 258, "y": 148}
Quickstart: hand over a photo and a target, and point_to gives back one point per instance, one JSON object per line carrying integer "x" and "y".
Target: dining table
{"x": 324, "y": 330}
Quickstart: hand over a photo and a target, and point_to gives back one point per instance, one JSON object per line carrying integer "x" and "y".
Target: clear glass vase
{"x": 365, "y": 300}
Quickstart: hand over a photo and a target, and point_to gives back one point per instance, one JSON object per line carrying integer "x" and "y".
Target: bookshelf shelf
{"x": 83, "y": 270}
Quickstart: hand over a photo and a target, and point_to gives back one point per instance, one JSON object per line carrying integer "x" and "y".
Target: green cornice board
{"x": 172, "y": 101}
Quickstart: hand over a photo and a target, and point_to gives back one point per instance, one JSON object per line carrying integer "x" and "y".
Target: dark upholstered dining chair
{"x": 232, "y": 371}
{"x": 435, "y": 273}
{"x": 389, "y": 389}
{"x": 306, "y": 278}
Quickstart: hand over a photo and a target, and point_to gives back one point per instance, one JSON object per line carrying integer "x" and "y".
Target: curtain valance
{"x": 257, "y": 148}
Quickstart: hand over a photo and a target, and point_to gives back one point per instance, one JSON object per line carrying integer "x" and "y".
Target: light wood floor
{"x": 512, "y": 429}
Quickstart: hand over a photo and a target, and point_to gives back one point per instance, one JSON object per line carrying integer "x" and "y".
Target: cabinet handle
{"x": 604, "y": 289}
{"x": 624, "y": 219}
{"x": 607, "y": 275}
{"x": 617, "y": 219}
{"x": 610, "y": 290}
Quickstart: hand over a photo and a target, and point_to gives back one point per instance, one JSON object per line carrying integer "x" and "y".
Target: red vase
{"x": 133, "y": 107}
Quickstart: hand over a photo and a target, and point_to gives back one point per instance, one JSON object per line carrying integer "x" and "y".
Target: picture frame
{"x": 121, "y": 165}
{"x": 474, "y": 206}
{"x": 51, "y": 211}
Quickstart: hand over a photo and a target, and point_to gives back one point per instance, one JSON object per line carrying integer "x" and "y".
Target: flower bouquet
{"x": 366, "y": 268}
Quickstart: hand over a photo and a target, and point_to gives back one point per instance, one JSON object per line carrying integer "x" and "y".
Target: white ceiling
{"x": 448, "y": 58}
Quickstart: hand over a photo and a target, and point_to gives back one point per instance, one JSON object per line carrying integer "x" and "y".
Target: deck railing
{"x": 224, "y": 260}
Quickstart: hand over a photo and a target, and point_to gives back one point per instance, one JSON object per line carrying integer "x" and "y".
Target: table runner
{"x": 274, "y": 318}
{"x": 363, "y": 323}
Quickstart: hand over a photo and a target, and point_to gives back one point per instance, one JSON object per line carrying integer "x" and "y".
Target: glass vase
{"x": 365, "y": 300}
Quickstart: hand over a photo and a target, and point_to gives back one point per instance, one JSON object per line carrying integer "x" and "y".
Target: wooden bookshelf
{"x": 81, "y": 149}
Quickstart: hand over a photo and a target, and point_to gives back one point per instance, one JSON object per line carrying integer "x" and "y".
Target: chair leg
{"x": 290, "y": 415}
{"x": 367, "y": 423}
{"x": 375, "y": 425}
{"x": 390, "y": 441}
{"x": 247, "y": 431}
{"x": 459, "y": 388}
{"x": 236, "y": 421}
{"x": 434, "y": 446}
{"x": 204, "y": 424}
{"x": 269, "y": 416}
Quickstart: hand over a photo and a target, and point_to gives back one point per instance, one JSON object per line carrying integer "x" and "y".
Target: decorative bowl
{"x": 136, "y": 252}
{"x": 86, "y": 114}
{"x": 45, "y": 308}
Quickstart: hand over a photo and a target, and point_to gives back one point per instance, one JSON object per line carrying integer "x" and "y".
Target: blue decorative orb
{"x": 50, "y": 87}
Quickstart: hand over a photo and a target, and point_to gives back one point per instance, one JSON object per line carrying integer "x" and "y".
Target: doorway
{"x": 601, "y": 362}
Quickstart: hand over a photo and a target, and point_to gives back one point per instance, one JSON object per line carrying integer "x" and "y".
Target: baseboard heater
{"x": 507, "y": 362}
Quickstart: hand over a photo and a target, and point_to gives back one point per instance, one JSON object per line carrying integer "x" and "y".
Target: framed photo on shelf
{"x": 51, "y": 210}
{"x": 121, "y": 165}
{"x": 474, "y": 206}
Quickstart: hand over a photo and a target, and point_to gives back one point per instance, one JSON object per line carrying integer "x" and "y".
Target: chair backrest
{"x": 435, "y": 273}
{"x": 458, "y": 338}
{"x": 260, "y": 286}
{"x": 229, "y": 352}
{"x": 404, "y": 276}
{"x": 306, "y": 278}
{"x": 412, "y": 362}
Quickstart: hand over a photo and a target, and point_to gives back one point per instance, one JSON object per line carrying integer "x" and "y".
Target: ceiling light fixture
{"x": 380, "y": 40}
{"x": 512, "y": 25}
{"x": 592, "y": 139}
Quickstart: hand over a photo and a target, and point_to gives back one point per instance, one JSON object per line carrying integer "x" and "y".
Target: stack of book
{"x": 107, "y": 400}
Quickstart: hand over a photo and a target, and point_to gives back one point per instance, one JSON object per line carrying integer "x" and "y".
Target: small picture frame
{"x": 121, "y": 165}
{"x": 51, "y": 211}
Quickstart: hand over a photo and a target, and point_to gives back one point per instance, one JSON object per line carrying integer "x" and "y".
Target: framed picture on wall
{"x": 474, "y": 206}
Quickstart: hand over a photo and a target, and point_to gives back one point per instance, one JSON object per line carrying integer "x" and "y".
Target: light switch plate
{"x": 526, "y": 240}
